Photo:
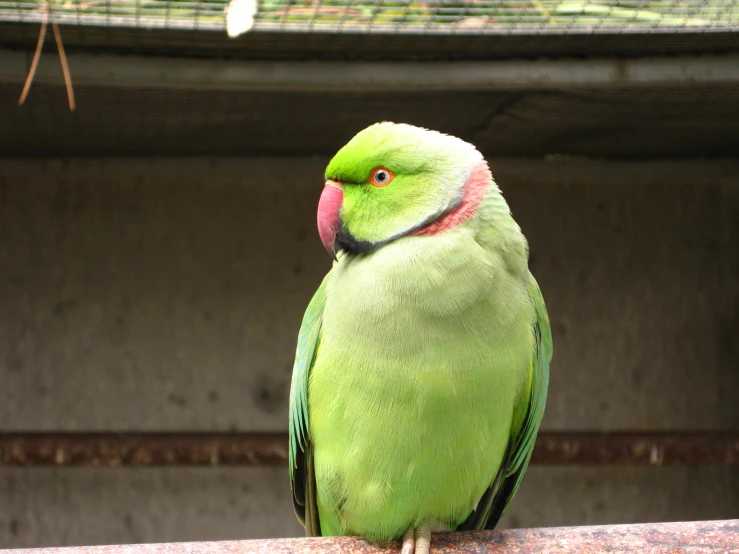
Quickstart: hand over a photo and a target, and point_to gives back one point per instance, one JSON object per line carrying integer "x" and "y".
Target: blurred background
{"x": 158, "y": 243}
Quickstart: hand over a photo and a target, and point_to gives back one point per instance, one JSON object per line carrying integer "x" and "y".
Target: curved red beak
{"x": 329, "y": 214}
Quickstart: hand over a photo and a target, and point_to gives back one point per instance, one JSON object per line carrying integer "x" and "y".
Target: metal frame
{"x": 214, "y": 449}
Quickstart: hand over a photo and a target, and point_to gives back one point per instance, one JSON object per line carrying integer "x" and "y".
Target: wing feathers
{"x": 300, "y": 458}
{"x": 497, "y": 498}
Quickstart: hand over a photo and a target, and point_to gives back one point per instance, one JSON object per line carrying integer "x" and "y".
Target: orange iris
{"x": 381, "y": 176}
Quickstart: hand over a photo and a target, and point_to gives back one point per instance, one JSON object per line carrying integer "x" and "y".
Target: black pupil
{"x": 381, "y": 176}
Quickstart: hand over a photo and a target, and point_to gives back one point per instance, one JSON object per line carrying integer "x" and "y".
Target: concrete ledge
{"x": 334, "y": 76}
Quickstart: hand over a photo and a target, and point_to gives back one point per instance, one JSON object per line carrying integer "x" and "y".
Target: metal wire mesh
{"x": 398, "y": 16}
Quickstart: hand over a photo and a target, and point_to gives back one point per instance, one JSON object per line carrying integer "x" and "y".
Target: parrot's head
{"x": 392, "y": 180}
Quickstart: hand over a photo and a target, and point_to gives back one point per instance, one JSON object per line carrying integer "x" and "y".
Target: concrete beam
{"x": 177, "y": 73}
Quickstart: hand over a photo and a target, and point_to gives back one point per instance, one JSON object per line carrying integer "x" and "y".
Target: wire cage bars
{"x": 495, "y": 17}
{"x": 138, "y": 65}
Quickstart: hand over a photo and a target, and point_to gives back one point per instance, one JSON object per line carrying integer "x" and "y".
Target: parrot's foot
{"x": 418, "y": 540}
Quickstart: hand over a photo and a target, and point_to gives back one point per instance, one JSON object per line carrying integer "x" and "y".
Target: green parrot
{"x": 422, "y": 363}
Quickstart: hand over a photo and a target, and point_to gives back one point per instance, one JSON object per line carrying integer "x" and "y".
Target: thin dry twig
{"x": 36, "y": 55}
{"x": 49, "y": 14}
{"x": 63, "y": 60}
{"x": 321, "y": 10}
{"x": 544, "y": 11}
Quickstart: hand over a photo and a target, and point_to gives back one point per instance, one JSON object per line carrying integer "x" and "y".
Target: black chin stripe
{"x": 346, "y": 242}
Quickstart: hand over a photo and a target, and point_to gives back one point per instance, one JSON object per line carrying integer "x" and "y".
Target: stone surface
{"x": 657, "y": 538}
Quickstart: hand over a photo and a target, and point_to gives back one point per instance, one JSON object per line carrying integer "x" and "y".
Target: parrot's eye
{"x": 381, "y": 176}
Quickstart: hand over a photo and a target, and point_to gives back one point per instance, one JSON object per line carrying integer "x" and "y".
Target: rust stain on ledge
{"x": 186, "y": 449}
{"x": 696, "y": 537}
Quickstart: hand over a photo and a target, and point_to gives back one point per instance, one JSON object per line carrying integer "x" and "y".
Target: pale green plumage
{"x": 422, "y": 366}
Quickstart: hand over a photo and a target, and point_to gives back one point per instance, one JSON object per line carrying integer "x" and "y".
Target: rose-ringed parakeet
{"x": 422, "y": 363}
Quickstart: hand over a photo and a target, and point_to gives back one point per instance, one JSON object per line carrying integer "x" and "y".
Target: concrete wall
{"x": 167, "y": 295}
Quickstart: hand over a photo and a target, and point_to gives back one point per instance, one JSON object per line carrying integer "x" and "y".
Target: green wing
{"x": 497, "y": 498}
{"x": 302, "y": 478}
